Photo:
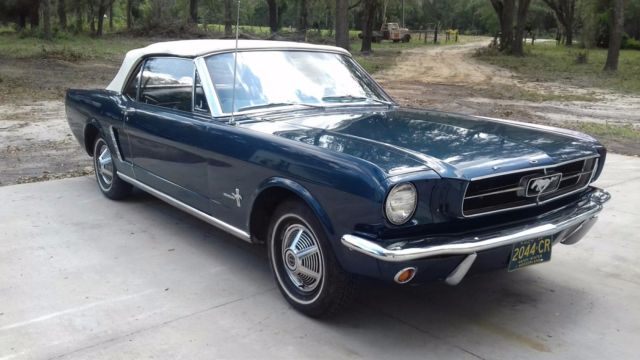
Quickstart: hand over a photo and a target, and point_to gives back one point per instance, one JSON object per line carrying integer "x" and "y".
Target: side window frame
{"x": 207, "y": 86}
{"x": 139, "y": 66}
{"x": 197, "y": 78}
{"x": 142, "y": 67}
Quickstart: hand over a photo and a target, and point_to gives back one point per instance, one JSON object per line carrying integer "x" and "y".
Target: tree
{"x": 228, "y": 17}
{"x": 193, "y": 11}
{"x": 369, "y": 10}
{"x": 342, "y": 24}
{"x": 111, "y": 16}
{"x": 79, "y": 22}
{"x": 565, "y": 14}
{"x": 523, "y": 8}
{"x": 273, "y": 15}
{"x": 303, "y": 15}
{"x": 62, "y": 14}
{"x": 616, "y": 25}
{"x": 91, "y": 16}
{"x": 46, "y": 19}
{"x": 505, "y": 10}
{"x": 129, "y": 10}
{"x": 103, "y": 6}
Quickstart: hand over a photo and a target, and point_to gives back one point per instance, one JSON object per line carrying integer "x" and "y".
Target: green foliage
{"x": 548, "y": 62}
{"x": 627, "y": 131}
{"x": 631, "y": 43}
{"x": 69, "y": 48}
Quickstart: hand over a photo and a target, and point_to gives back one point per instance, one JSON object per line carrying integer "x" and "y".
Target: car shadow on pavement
{"x": 514, "y": 308}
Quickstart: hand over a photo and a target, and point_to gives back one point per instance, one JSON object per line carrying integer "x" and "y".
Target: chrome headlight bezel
{"x": 404, "y": 215}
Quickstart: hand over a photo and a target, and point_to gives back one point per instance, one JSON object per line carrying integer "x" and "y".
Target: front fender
{"x": 300, "y": 191}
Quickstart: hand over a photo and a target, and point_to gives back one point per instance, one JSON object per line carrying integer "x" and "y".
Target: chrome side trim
{"x": 186, "y": 208}
{"x": 552, "y": 224}
{"x": 461, "y": 270}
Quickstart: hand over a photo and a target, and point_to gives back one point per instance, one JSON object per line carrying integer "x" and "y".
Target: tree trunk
{"x": 92, "y": 17}
{"x": 570, "y": 17}
{"x": 303, "y": 16}
{"x": 369, "y": 16}
{"x": 129, "y": 10}
{"x": 102, "y": 9}
{"x": 79, "y": 23}
{"x": 615, "y": 35}
{"x": 34, "y": 16}
{"x": 517, "y": 47}
{"x": 22, "y": 21}
{"x": 505, "y": 9}
{"x": 46, "y": 19}
{"x": 273, "y": 15}
{"x": 342, "y": 24}
{"x": 111, "y": 16}
{"x": 62, "y": 14}
{"x": 385, "y": 4}
{"x": 193, "y": 11}
{"x": 565, "y": 14}
{"x": 228, "y": 17}
{"x": 568, "y": 30}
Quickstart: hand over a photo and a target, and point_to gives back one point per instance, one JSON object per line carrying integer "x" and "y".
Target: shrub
{"x": 631, "y": 44}
{"x": 582, "y": 57}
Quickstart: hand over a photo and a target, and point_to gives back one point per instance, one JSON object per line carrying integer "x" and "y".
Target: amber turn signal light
{"x": 405, "y": 275}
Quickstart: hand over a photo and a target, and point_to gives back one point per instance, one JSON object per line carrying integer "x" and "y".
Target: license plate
{"x": 530, "y": 252}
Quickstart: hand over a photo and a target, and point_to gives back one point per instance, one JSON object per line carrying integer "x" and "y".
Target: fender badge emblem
{"x": 235, "y": 196}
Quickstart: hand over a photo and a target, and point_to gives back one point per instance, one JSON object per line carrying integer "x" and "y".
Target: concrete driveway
{"x": 85, "y": 277}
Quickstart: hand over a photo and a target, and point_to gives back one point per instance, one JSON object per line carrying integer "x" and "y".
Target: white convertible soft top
{"x": 195, "y": 48}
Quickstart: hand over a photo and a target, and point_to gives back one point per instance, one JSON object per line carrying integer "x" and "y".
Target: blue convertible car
{"x": 295, "y": 146}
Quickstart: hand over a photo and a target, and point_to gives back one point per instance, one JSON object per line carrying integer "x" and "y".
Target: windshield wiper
{"x": 352, "y": 98}
{"x": 275, "y": 104}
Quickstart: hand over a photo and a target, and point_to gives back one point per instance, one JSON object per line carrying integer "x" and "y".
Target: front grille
{"x": 505, "y": 192}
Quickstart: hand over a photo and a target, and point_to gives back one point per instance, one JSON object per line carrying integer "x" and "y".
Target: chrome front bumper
{"x": 567, "y": 225}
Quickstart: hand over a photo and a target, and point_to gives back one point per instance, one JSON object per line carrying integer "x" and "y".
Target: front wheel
{"x": 303, "y": 263}
{"x": 106, "y": 172}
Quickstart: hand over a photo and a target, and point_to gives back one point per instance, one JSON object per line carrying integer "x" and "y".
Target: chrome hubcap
{"x": 302, "y": 258}
{"x": 104, "y": 165}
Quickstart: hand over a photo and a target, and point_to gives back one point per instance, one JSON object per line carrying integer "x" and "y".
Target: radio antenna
{"x": 235, "y": 66}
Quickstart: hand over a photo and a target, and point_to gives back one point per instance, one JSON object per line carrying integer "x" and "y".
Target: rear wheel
{"x": 106, "y": 172}
{"x": 303, "y": 263}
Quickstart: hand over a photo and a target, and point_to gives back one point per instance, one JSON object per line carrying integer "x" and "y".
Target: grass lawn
{"x": 111, "y": 48}
{"x": 72, "y": 48}
{"x": 548, "y": 62}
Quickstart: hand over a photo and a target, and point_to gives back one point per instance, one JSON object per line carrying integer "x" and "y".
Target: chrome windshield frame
{"x": 214, "y": 102}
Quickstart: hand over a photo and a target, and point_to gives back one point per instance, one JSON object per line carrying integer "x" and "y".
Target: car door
{"x": 166, "y": 133}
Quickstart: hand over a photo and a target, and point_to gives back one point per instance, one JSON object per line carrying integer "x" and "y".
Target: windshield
{"x": 279, "y": 78}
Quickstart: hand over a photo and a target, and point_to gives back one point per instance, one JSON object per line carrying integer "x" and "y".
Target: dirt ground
{"x": 36, "y": 144}
{"x": 449, "y": 78}
{"x": 35, "y": 141}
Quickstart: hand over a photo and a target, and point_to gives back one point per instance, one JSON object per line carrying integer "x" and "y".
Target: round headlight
{"x": 401, "y": 203}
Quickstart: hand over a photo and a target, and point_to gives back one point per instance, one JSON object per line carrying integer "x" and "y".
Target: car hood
{"x": 454, "y": 145}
